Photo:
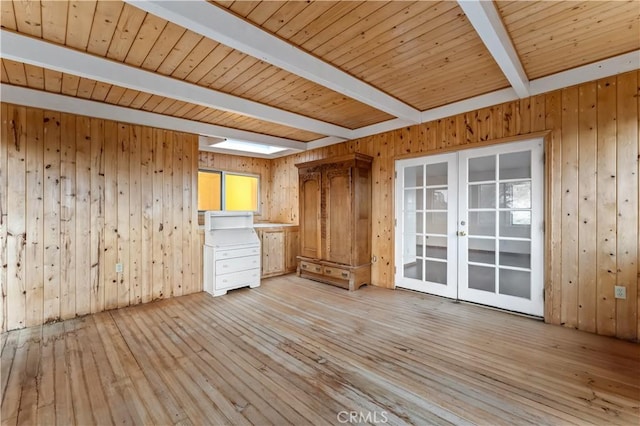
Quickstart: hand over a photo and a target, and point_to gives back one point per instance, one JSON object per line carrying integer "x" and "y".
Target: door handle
{"x": 462, "y": 233}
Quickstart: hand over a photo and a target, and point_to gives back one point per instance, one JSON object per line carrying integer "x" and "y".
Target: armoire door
{"x": 310, "y": 202}
{"x": 469, "y": 225}
{"x": 338, "y": 213}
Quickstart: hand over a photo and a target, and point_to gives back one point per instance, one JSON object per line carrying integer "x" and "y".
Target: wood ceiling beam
{"x": 35, "y": 98}
{"x": 486, "y": 20}
{"x": 37, "y": 52}
{"x": 221, "y": 25}
{"x": 590, "y": 72}
{"x": 55, "y": 102}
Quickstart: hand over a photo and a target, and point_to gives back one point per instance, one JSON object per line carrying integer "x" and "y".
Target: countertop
{"x": 263, "y": 225}
{"x": 272, "y": 225}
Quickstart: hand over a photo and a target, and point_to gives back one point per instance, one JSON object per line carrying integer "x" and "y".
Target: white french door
{"x": 469, "y": 225}
{"x": 426, "y": 216}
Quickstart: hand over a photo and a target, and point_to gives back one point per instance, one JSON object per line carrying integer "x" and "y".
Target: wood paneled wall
{"x": 593, "y": 181}
{"x": 249, "y": 165}
{"x": 77, "y": 196}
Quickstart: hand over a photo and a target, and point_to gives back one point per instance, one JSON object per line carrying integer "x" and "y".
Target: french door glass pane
{"x": 482, "y": 169}
{"x": 515, "y": 195}
{"x": 413, "y": 199}
{"x": 482, "y": 250}
{"x": 515, "y": 224}
{"x": 419, "y": 223}
{"x": 414, "y": 176}
{"x": 425, "y": 211}
{"x": 515, "y": 283}
{"x": 413, "y": 269}
{"x": 418, "y": 248}
{"x": 437, "y": 199}
{"x": 436, "y": 272}
{"x": 482, "y": 223}
{"x": 436, "y": 247}
{"x": 413, "y": 222}
{"x": 515, "y": 165}
{"x": 437, "y": 174}
{"x": 482, "y": 196}
{"x": 482, "y": 278}
{"x": 436, "y": 223}
{"x": 412, "y": 246}
{"x": 515, "y": 253}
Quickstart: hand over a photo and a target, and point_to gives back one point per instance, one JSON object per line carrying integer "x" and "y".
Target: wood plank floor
{"x": 298, "y": 352}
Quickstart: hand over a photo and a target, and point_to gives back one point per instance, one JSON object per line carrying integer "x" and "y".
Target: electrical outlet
{"x": 620, "y": 292}
{"x": 119, "y": 268}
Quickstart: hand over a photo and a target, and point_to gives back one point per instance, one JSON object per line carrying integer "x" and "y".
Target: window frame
{"x": 223, "y": 189}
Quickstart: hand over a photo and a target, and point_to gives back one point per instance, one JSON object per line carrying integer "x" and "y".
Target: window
{"x": 209, "y": 190}
{"x": 241, "y": 192}
{"x": 227, "y": 191}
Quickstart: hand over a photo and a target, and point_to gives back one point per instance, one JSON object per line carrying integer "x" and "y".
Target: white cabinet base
{"x": 223, "y": 291}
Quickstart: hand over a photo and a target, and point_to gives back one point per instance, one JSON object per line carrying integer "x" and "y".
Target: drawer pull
{"x": 317, "y": 268}
{"x": 345, "y": 275}
{"x": 328, "y": 271}
{"x": 304, "y": 266}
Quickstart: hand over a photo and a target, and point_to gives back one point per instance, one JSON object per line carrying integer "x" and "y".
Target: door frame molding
{"x": 552, "y": 198}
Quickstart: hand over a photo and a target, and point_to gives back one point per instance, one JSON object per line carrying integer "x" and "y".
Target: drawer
{"x": 227, "y": 266}
{"x": 330, "y": 271}
{"x": 310, "y": 267}
{"x": 228, "y": 254}
{"x": 238, "y": 279}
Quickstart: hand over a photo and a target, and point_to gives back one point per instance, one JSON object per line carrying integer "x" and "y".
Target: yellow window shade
{"x": 209, "y": 190}
{"x": 241, "y": 192}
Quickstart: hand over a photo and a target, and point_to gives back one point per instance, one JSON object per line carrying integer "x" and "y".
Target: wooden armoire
{"x": 335, "y": 220}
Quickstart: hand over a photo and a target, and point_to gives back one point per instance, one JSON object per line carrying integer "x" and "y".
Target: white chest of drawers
{"x": 231, "y": 252}
{"x": 228, "y": 269}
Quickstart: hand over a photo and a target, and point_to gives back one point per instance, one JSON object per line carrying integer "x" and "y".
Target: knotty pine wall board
{"x": 80, "y": 194}
{"x": 592, "y": 195}
{"x": 592, "y": 192}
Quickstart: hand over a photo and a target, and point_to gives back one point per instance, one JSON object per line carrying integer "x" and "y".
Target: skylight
{"x": 245, "y": 146}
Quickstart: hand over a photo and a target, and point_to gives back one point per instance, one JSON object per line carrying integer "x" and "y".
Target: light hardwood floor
{"x": 298, "y": 352}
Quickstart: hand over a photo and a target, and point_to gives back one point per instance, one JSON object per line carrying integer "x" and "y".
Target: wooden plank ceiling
{"x": 551, "y": 37}
{"x": 423, "y": 53}
{"x": 19, "y": 74}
